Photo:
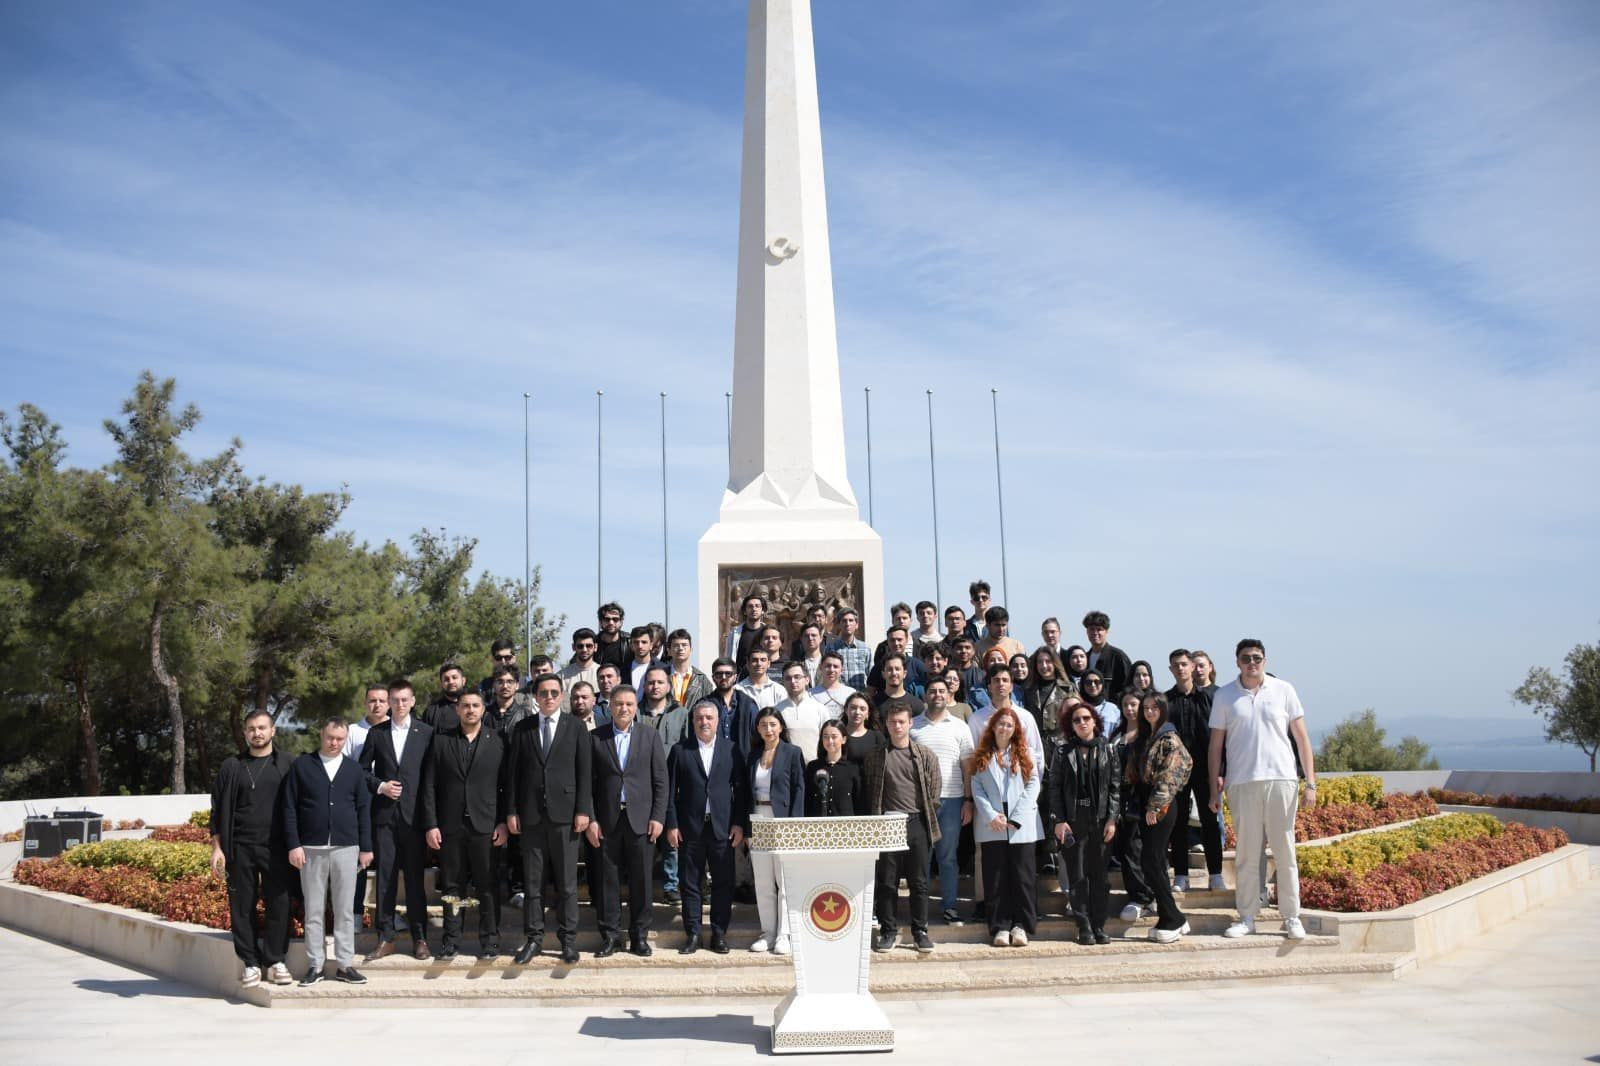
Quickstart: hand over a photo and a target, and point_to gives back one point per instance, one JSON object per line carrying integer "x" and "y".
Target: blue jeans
{"x": 945, "y": 850}
{"x": 669, "y": 867}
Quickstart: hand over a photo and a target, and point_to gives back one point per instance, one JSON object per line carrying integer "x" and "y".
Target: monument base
{"x": 788, "y": 558}
{"x": 822, "y": 1023}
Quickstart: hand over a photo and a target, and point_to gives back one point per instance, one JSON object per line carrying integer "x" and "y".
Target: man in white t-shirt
{"x": 829, "y": 690}
{"x": 951, "y": 742}
{"x": 1253, "y": 719}
{"x": 802, "y": 714}
{"x": 756, "y": 684}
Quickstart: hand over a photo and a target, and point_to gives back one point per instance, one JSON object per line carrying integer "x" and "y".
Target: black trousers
{"x": 1156, "y": 838}
{"x": 259, "y": 872}
{"x": 467, "y": 858}
{"x": 1128, "y": 846}
{"x": 912, "y": 864}
{"x": 623, "y": 852}
{"x": 1009, "y": 885}
{"x": 550, "y": 848}
{"x": 704, "y": 850}
{"x": 1084, "y": 870}
{"x": 1199, "y": 788}
{"x": 401, "y": 855}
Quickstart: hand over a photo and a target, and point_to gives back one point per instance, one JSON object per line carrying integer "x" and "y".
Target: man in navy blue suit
{"x": 707, "y": 816}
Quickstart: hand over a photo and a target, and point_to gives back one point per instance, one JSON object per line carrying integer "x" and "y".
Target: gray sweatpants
{"x": 327, "y": 868}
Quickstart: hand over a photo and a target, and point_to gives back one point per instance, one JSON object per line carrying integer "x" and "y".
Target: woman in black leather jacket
{"x": 1086, "y": 799}
{"x": 1128, "y": 847}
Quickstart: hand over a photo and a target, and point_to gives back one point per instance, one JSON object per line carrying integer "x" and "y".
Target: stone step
{"x": 1124, "y": 964}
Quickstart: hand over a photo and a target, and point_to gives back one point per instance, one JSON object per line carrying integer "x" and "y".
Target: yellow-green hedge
{"x": 1363, "y": 854}
{"x": 1361, "y": 788}
{"x": 201, "y": 818}
{"x": 167, "y": 861}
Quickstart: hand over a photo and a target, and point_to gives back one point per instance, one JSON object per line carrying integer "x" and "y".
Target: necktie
{"x": 544, "y": 740}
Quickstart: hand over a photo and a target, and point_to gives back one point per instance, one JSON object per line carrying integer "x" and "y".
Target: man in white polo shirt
{"x": 801, "y": 712}
{"x": 951, "y": 743}
{"x": 1254, "y": 719}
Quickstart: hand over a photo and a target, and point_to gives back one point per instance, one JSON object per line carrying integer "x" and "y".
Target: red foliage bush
{"x": 1524, "y": 803}
{"x": 1317, "y": 823}
{"x": 202, "y": 900}
{"x": 181, "y": 834}
{"x": 1427, "y": 873}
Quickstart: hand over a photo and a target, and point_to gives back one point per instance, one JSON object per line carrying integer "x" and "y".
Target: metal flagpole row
{"x": 666, "y": 593}
{"x": 933, "y": 482}
{"x": 999, "y": 491}
{"x": 527, "y": 551}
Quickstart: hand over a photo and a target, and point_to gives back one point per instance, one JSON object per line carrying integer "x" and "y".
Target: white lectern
{"x": 828, "y": 880}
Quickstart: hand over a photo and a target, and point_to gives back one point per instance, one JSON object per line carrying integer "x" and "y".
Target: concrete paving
{"x": 1524, "y": 993}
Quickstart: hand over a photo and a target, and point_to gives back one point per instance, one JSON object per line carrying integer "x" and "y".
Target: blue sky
{"x": 1291, "y": 307}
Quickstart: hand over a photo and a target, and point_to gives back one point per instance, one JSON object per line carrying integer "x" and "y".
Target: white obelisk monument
{"x": 790, "y": 529}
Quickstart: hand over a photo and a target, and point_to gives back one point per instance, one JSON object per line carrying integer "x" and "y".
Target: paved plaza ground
{"x": 1528, "y": 992}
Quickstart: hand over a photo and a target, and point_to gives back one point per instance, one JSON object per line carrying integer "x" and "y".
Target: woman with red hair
{"x": 1005, "y": 792}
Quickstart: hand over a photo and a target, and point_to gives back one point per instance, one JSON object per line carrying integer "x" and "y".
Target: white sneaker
{"x": 1181, "y": 884}
{"x": 1169, "y": 936}
{"x": 251, "y": 977}
{"x": 1132, "y": 912}
{"x": 781, "y": 946}
{"x": 1216, "y": 884}
{"x": 1293, "y": 929}
{"x": 1243, "y": 927}
{"x": 279, "y": 974}
{"x": 1002, "y": 939}
{"x": 761, "y": 945}
{"x": 1019, "y": 937}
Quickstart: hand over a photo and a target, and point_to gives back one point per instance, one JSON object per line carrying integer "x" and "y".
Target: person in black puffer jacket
{"x": 1086, "y": 800}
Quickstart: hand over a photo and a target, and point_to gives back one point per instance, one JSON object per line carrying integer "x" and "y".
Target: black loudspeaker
{"x": 46, "y": 836}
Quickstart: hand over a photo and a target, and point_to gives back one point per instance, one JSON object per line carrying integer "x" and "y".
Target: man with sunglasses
{"x": 1254, "y": 719}
{"x": 501, "y": 653}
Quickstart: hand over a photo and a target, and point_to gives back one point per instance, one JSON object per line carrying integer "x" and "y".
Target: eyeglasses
{"x": 1252, "y": 658}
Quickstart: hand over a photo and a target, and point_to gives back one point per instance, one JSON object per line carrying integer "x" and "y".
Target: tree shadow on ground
{"x": 716, "y": 1028}
{"x": 134, "y": 987}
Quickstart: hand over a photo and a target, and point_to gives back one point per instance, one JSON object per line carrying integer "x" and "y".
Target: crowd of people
{"x": 631, "y": 763}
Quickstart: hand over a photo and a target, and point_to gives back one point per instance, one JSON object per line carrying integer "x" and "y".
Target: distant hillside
{"x": 1498, "y": 743}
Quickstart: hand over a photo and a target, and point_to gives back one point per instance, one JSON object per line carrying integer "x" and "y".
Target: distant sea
{"x": 1502, "y": 743}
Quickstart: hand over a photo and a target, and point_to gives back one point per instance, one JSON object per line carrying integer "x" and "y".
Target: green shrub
{"x": 202, "y": 818}
{"x": 1365, "y": 789}
{"x": 1361, "y": 855}
{"x": 166, "y": 861}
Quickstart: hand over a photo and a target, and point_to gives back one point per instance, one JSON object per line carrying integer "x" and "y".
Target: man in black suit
{"x": 707, "y": 814}
{"x": 392, "y": 757}
{"x": 463, "y": 819}
{"x": 551, "y": 800}
{"x": 630, "y": 811}
{"x": 1105, "y": 658}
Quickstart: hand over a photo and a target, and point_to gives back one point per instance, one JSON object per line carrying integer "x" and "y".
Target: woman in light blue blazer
{"x": 777, "y": 790}
{"x": 1005, "y": 793}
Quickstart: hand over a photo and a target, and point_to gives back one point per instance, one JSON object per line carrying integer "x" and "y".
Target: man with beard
{"x": 462, "y": 816}
{"x": 248, "y": 849}
{"x": 441, "y": 711}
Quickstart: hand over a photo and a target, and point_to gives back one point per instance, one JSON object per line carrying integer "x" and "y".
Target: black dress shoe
{"x": 671, "y": 896}
{"x": 1100, "y": 937}
{"x": 744, "y": 894}
{"x": 446, "y": 952}
{"x": 526, "y": 952}
{"x": 608, "y": 948}
{"x": 569, "y": 953}
{"x": 692, "y": 946}
{"x": 641, "y": 948}
{"x": 1085, "y": 937}
{"x": 719, "y": 943}
{"x": 489, "y": 951}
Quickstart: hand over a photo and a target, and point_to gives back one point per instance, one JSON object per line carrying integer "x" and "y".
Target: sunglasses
{"x": 505, "y": 658}
{"x": 722, "y": 673}
{"x": 1252, "y": 658}
{"x": 1083, "y": 721}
